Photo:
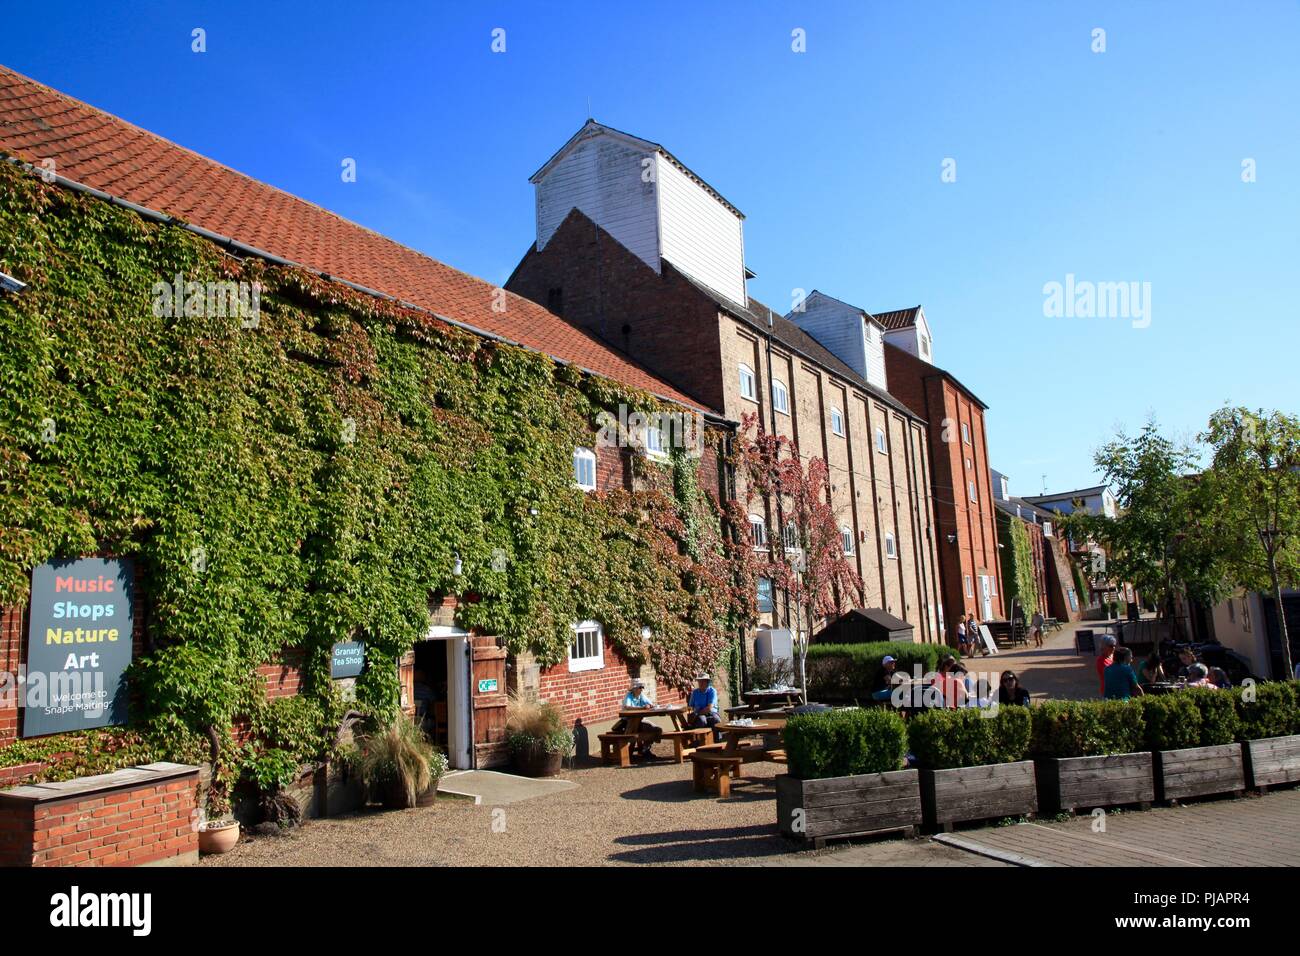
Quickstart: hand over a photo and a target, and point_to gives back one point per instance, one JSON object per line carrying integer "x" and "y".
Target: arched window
{"x": 881, "y": 444}
{"x": 791, "y": 536}
{"x": 587, "y": 646}
{"x": 584, "y": 468}
{"x": 758, "y": 532}
{"x": 780, "y": 397}
{"x": 837, "y": 421}
{"x": 747, "y": 388}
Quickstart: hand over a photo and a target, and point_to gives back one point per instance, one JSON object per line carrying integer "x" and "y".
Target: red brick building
{"x": 970, "y": 566}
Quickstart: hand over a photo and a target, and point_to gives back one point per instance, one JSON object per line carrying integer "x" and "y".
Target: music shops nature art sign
{"x": 78, "y": 645}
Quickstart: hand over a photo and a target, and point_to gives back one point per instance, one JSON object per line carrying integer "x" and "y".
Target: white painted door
{"x": 986, "y": 595}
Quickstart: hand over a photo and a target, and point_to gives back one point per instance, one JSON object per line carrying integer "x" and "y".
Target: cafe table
{"x": 774, "y": 697}
{"x": 737, "y": 732}
{"x": 634, "y": 716}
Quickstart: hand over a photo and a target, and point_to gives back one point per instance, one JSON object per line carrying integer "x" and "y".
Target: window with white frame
{"x": 747, "y": 387}
{"x": 971, "y": 486}
{"x": 965, "y": 433}
{"x": 970, "y": 587}
{"x": 654, "y": 441}
{"x": 846, "y": 537}
{"x": 837, "y": 421}
{"x": 587, "y": 647}
{"x": 584, "y": 468}
{"x": 882, "y": 444}
{"x": 925, "y": 347}
{"x": 891, "y": 546}
{"x": 791, "y": 536}
{"x": 758, "y": 532}
{"x": 780, "y": 397}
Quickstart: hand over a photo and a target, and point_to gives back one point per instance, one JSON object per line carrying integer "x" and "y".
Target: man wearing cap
{"x": 883, "y": 685}
{"x": 633, "y": 700}
{"x": 1105, "y": 659}
{"x": 703, "y": 704}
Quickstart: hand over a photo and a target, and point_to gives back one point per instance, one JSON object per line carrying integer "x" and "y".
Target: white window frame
{"x": 588, "y": 662}
{"x": 970, "y": 586}
{"x": 846, "y": 539}
{"x": 837, "y": 422}
{"x": 586, "y": 456}
{"x": 748, "y": 383}
{"x": 965, "y": 433}
{"x": 780, "y": 397}
{"x": 891, "y": 546}
{"x": 971, "y": 486}
{"x": 758, "y": 541}
{"x": 882, "y": 441}
{"x": 790, "y": 537}
{"x": 653, "y": 441}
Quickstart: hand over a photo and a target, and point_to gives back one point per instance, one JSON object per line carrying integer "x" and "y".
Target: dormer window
{"x": 780, "y": 397}
{"x": 925, "y": 346}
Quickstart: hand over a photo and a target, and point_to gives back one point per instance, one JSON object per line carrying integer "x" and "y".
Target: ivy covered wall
{"x": 314, "y": 478}
{"x": 1019, "y": 582}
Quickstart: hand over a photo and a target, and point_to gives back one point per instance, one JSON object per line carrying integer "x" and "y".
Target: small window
{"x": 747, "y": 388}
{"x": 780, "y": 397}
{"x": 891, "y": 548}
{"x": 971, "y": 486}
{"x": 765, "y": 603}
{"x": 837, "y": 421}
{"x": 654, "y": 441}
{"x": 584, "y": 468}
{"x": 970, "y": 587}
{"x": 791, "y": 536}
{"x": 925, "y": 347}
{"x": 587, "y": 647}
{"x": 758, "y": 532}
{"x": 882, "y": 444}
{"x": 965, "y": 433}
{"x": 846, "y": 537}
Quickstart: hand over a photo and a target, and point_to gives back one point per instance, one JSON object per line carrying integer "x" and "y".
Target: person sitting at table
{"x": 1219, "y": 678}
{"x": 1198, "y": 675}
{"x": 1186, "y": 661}
{"x": 1119, "y": 680}
{"x": 1151, "y": 671}
{"x": 887, "y": 678}
{"x": 703, "y": 706}
{"x": 636, "y": 699}
{"x": 1010, "y": 691}
{"x": 950, "y": 684}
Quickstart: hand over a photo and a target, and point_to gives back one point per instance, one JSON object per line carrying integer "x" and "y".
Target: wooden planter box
{"x": 1199, "y": 772}
{"x": 978, "y": 793}
{"x": 821, "y": 810}
{"x": 1273, "y": 761}
{"x": 1070, "y": 783}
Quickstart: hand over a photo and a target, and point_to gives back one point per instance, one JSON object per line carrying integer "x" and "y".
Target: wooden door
{"x": 488, "y": 702}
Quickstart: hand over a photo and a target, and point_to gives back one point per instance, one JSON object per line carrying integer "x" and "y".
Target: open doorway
{"x": 441, "y": 692}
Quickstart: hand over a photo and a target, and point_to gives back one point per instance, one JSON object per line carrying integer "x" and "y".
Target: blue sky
{"x": 1121, "y": 166}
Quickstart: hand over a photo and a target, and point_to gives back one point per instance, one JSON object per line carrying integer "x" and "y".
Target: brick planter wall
{"x": 141, "y": 815}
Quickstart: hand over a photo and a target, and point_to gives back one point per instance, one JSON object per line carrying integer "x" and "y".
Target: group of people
{"x": 1119, "y": 681}
{"x": 954, "y": 684}
{"x": 701, "y": 711}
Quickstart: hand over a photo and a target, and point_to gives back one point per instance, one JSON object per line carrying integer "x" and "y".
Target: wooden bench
{"x": 617, "y": 748}
{"x": 688, "y": 741}
{"x": 712, "y": 771}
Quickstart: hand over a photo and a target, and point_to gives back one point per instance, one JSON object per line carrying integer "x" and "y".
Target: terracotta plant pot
{"x": 218, "y": 837}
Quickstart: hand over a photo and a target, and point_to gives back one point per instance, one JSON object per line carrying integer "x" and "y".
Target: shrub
{"x": 398, "y": 762}
{"x": 846, "y": 672}
{"x": 1219, "y": 721}
{"x": 1273, "y": 713}
{"x": 840, "y": 743}
{"x": 1086, "y": 728}
{"x": 1173, "y": 721}
{"x": 942, "y": 739}
{"x": 536, "y": 725}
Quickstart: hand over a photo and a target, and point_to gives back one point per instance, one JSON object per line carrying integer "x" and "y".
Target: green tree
{"x": 1254, "y": 488}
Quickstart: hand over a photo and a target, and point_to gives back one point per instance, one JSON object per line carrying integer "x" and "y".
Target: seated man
{"x": 1119, "y": 680}
{"x": 703, "y": 706}
{"x": 634, "y": 699}
{"x": 1198, "y": 675}
{"x": 887, "y": 678}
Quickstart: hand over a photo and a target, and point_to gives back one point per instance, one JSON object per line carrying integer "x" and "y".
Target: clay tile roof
{"x": 99, "y": 150}
{"x": 898, "y": 319}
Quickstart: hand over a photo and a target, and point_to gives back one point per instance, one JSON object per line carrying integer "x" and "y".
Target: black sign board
{"x": 1085, "y": 642}
{"x": 348, "y": 659}
{"x": 78, "y": 645}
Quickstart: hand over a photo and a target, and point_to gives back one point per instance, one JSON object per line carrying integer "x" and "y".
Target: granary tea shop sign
{"x": 78, "y": 645}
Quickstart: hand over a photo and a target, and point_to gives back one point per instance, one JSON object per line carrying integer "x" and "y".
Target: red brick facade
{"x": 115, "y": 820}
{"x": 594, "y": 696}
{"x": 959, "y": 456}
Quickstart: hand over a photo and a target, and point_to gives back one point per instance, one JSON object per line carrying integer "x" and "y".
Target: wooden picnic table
{"x": 735, "y": 733}
{"x": 790, "y": 696}
{"x": 634, "y": 715}
{"x": 617, "y": 747}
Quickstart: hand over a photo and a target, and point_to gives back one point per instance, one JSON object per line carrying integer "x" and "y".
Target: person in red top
{"x": 1106, "y": 658}
{"x": 950, "y": 684}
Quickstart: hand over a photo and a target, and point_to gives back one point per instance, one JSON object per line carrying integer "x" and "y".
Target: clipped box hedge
{"x": 847, "y": 672}
{"x": 1086, "y": 728}
{"x": 943, "y": 739}
{"x": 1275, "y": 711}
{"x": 843, "y": 743}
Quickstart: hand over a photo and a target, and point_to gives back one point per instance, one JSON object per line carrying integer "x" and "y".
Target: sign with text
{"x": 487, "y": 685}
{"x": 78, "y": 645}
{"x": 348, "y": 659}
